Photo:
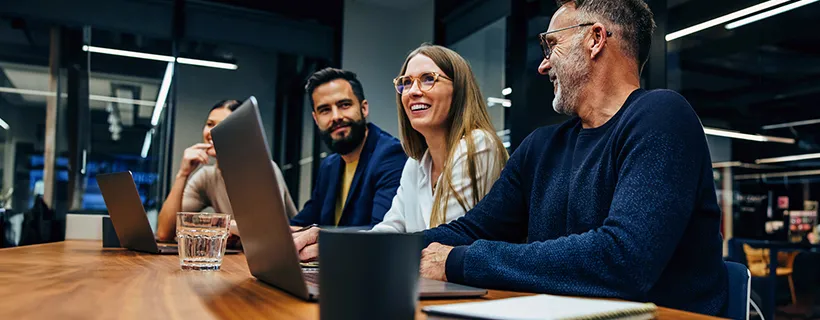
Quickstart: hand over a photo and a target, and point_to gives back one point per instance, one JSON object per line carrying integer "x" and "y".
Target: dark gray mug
{"x": 367, "y": 275}
{"x": 109, "y": 235}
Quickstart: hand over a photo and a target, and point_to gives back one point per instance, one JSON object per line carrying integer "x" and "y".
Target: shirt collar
{"x": 426, "y": 164}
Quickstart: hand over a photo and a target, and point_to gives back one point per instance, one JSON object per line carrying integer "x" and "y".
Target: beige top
{"x": 206, "y": 188}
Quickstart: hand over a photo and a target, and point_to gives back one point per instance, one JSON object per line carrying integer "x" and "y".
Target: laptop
{"x": 128, "y": 216}
{"x": 245, "y": 161}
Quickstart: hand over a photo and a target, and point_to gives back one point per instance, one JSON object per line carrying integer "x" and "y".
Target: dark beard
{"x": 349, "y": 143}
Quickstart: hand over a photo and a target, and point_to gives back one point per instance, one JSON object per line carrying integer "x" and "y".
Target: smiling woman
{"x": 446, "y": 130}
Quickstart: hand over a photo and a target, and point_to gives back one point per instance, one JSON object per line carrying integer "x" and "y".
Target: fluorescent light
{"x": 506, "y": 144}
{"x": 163, "y": 93}
{"x": 791, "y": 124}
{"x": 27, "y": 92}
{"x": 727, "y": 164}
{"x": 789, "y": 158}
{"x": 491, "y": 101}
{"x": 756, "y": 176}
{"x": 724, "y": 19}
{"x": 121, "y": 100}
{"x": 159, "y": 57}
{"x": 146, "y": 145}
{"x": 206, "y": 63}
{"x": 745, "y": 136}
{"x": 131, "y": 54}
{"x": 4, "y": 124}
{"x": 506, "y": 91}
{"x": 769, "y": 13}
{"x": 90, "y": 97}
{"x": 738, "y": 164}
{"x": 85, "y": 162}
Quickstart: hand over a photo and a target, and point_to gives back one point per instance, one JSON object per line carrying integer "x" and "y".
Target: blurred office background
{"x": 89, "y": 87}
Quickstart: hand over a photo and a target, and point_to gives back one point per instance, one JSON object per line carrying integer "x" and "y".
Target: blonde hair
{"x": 468, "y": 112}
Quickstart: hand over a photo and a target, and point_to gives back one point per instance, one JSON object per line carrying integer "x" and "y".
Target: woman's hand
{"x": 193, "y": 157}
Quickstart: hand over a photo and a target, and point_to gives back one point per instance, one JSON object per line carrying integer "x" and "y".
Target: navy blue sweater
{"x": 626, "y": 210}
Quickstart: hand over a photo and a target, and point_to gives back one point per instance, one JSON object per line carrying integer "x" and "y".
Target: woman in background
{"x": 194, "y": 190}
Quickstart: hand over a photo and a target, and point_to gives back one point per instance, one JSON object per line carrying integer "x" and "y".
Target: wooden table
{"x": 80, "y": 280}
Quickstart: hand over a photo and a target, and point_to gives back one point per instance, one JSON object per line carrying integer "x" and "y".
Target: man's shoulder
{"x": 660, "y": 103}
{"x": 660, "y": 112}
{"x": 545, "y": 133}
{"x": 388, "y": 147}
{"x": 329, "y": 160}
{"x": 386, "y": 140}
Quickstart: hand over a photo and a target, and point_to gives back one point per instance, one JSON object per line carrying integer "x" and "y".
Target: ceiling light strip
{"x": 159, "y": 57}
{"x": 767, "y": 14}
{"x": 756, "y": 176}
{"x": 789, "y": 158}
{"x": 163, "y": 93}
{"x": 724, "y": 19}
{"x": 93, "y": 97}
{"x": 791, "y": 124}
{"x": 745, "y": 136}
{"x": 146, "y": 144}
{"x": 121, "y": 100}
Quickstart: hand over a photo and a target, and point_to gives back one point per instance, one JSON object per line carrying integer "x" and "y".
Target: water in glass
{"x": 202, "y": 237}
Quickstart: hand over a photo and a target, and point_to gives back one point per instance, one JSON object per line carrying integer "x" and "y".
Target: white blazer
{"x": 413, "y": 203}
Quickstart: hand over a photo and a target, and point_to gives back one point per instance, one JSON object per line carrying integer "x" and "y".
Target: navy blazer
{"x": 371, "y": 192}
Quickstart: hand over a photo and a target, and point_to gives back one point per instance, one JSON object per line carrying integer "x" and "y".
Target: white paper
{"x": 543, "y": 307}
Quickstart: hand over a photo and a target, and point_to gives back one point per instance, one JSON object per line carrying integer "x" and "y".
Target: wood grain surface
{"x": 81, "y": 280}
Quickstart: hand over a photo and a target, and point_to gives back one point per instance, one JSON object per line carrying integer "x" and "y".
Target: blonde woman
{"x": 455, "y": 154}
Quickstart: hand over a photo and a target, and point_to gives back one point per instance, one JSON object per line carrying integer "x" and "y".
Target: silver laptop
{"x": 127, "y": 214}
{"x": 245, "y": 161}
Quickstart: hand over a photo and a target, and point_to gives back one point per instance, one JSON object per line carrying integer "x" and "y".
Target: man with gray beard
{"x": 616, "y": 202}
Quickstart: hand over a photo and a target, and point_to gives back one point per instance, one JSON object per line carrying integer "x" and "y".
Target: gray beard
{"x": 574, "y": 75}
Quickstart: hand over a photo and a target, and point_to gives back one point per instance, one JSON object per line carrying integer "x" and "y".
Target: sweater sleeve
{"x": 194, "y": 197}
{"x": 662, "y": 144}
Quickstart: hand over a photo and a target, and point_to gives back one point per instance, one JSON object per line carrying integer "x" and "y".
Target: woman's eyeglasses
{"x": 426, "y": 81}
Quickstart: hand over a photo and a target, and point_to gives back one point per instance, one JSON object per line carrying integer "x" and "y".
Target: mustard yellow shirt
{"x": 347, "y": 180}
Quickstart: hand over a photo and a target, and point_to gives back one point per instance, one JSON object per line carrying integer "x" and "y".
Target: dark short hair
{"x": 633, "y": 17}
{"x": 329, "y": 74}
{"x": 227, "y": 104}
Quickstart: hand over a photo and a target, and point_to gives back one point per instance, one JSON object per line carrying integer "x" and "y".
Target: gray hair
{"x": 633, "y": 21}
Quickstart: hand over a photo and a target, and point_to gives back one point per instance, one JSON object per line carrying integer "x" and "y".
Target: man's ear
{"x": 365, "y": 108}
{"x": 599, "y": 40}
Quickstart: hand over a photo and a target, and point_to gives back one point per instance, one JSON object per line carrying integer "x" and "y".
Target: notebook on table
{"x": 545, "y": 307}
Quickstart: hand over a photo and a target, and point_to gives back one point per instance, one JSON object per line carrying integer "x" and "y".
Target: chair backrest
{"x": 736, "y": 253}
{"x": 739, "y": 291}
